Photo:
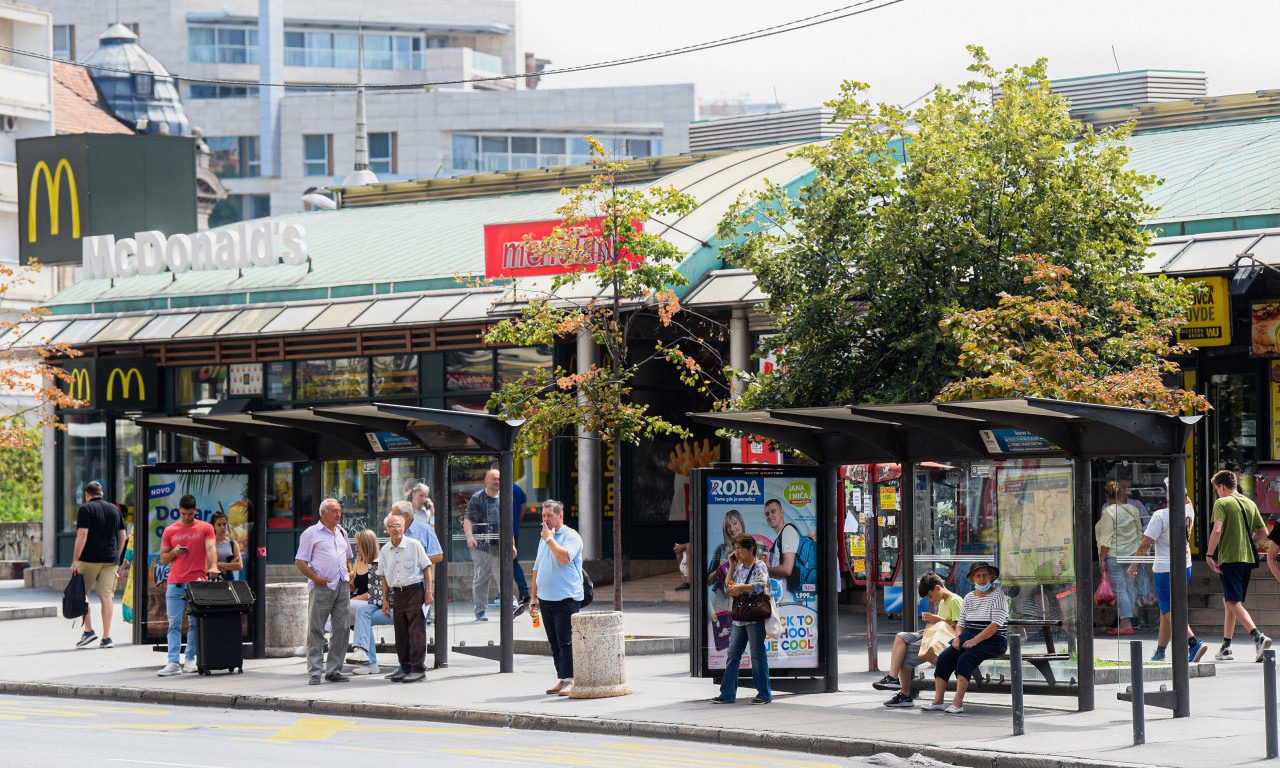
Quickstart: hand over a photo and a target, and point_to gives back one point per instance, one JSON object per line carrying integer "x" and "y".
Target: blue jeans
{"x": 367, "y": 617}
{"x": 1122, "y": 585}
{"x": 742, "y": 633}
{"x": 175, "y": 604}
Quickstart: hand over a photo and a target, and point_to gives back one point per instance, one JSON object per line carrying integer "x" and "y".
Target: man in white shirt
{"x": 1157, "y": 535}
{"x": 406, "y": 586}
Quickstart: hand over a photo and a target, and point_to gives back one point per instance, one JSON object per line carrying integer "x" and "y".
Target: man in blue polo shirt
{"x": 557, "y": 589}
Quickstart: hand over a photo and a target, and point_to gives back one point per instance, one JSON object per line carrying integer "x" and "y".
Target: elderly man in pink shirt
{"x": 323, "y": 554}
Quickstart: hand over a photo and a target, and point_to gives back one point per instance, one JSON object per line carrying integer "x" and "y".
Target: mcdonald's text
{"x": 249, "y": 244}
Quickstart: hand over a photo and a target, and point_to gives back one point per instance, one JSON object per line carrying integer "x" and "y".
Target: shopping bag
{"x": 773, "y": 625}
{"x": 1105, "y": 594}
{"x": 937, "y": 636}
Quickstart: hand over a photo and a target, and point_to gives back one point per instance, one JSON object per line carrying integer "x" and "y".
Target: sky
{"x": 901, "y": 50}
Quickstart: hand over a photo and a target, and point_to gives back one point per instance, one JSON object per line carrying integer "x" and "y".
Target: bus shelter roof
{"x": 330, "y": 433}
{"x": 974, "y": 429}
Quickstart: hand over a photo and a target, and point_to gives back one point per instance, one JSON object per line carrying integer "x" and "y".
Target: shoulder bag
{"x": 751, "y": 606}
{"x": 1248, "y": 535}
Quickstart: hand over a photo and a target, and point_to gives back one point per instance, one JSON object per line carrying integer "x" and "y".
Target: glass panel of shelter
{"x": 1017, "y": 515}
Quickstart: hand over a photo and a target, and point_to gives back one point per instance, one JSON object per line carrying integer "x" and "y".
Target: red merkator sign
{"x": 506, "y": 254}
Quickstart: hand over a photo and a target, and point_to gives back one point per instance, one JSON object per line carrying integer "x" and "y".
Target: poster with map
{"x": 1034, "y": 504}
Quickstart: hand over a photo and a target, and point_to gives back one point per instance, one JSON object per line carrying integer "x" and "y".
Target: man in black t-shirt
{"x": 100, "y": 538}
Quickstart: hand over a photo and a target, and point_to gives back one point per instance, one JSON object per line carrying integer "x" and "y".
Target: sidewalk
{"x": 1226, "y": 727}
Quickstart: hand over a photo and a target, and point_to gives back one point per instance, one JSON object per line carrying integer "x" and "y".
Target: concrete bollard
{"x": 599, "y": 656}
{"x": 286, "y": 619}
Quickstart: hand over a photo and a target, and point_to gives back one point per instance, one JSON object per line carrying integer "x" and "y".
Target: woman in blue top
{"x": 746, "y": 574}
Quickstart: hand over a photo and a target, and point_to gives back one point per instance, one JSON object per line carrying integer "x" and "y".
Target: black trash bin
{"x": 217, "y": 608}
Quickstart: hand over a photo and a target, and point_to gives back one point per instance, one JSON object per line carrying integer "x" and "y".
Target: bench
{"x": 1042, "y": 662}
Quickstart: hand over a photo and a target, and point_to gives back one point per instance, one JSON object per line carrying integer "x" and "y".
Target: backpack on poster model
{"x": 588, "y": 589}
{"x": 804, "y": 570}
{"x": 75, "y": 603}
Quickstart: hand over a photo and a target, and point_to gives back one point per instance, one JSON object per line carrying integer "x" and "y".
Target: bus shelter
{"x": 1007, "y": 481}
{"x": 369, "y": 432}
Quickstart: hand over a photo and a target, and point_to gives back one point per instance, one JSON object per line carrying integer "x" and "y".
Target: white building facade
{"x": 450, "y": 129}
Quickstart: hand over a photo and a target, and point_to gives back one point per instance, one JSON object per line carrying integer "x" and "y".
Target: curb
{"x": 36, "y": 612}
{"x": 834, "y": 746}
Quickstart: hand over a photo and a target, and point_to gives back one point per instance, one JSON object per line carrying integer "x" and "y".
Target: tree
{"x": 20, "y": 478}
{"x": 607, "y": 240}
{"x": 27, "y": 374}
{"x": 1049, "y": 345}
{"x": 909, "y": 218}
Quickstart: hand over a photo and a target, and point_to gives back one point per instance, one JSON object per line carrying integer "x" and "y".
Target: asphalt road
{"x": 37, "y": 732}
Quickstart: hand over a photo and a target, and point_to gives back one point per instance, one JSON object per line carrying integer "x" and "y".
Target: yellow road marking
{"x": 42, "y": 707}
{"x": 311, "y": 729}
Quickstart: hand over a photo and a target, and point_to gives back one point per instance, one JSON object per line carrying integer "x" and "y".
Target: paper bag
{"x": 937, "y": 636}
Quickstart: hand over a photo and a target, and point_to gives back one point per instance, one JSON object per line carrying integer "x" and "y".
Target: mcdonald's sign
{"x": 112, "y": 384}
{"x": 74, "y": 187}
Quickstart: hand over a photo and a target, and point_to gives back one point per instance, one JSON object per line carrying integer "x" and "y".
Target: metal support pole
{"x": 873, "y": 573}
{"x": 827, "y": 576}
{"x": 1178, "y": 586}
{"x": 440, "y": 582}
{"x": 506, "y": 573}
{"x": 259, "y": 544}
{"x": 1135, "y": 685}
{"x": 1269, "y": 699}
{"x": 1015, "y": 683}
{"x": 1082, "y": 539}
{"x": 906, "y": 547}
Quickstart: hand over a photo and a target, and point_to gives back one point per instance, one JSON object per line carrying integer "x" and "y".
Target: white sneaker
{"x": 358, "y": 657}
{"x": 169, "y": 670}
{"x": 190, "y": 666}
{"x": 1261, "y": 644}
{"x": 1224, "y": 654}
{"x": 366, "y": 669}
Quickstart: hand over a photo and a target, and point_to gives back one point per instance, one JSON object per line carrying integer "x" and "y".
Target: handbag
{"x": 751, "y": 606}
{"x": 1105, "y": 594}
{"x": 935, "y": 639}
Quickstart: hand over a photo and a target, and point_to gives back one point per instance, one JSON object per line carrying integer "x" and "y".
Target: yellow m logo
{"x": 80, "y": 389}
{"x": 52, "y": 185}
{"x": 132, "y": 375}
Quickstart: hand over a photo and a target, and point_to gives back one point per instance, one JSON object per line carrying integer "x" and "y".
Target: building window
{"x": 142, "y": 84}
{"x": 493, "y": 153}
{"x": 239, "y": 208}
{"x": 469, "y": 370}
{"x": 279, "y": 381}
{"x": 395, "y": 375}
{"x": 382, "y": 153}
{"x": 197, "y": 91}
{"x": 213, "y": 44}
{"x": 341, "y": 49}
{"x": 336, "y": 379}
{"x": 64, "y": 41}
{"x": 234, "y": 156}
{"x": 317, "y": 154}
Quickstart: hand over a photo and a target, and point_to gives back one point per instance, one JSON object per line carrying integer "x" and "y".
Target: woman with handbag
{"x": 1118, "y": 533}
{"x": 747, "y": 583}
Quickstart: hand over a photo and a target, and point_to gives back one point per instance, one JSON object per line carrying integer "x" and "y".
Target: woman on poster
{"x": 717, "y": 569}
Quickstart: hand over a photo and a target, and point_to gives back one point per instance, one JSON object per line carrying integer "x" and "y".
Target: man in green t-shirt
{"x": 1237, "y": 526}
{"x": 906, "y": 646}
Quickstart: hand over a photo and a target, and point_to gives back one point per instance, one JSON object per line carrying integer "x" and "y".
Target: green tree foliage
{"x": 911, "y": 218}
{"x": 20, "y": 478}
{"x": 1048, "y": 345}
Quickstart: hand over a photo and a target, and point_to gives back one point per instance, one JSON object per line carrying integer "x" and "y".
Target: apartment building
{"x": 450, "y": 128}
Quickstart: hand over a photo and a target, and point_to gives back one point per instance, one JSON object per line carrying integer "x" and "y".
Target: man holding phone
{"x": 187, "y": 547}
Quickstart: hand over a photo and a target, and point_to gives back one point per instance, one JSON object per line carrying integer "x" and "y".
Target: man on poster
{"x": 100, "y": 538}
{"x": 786, "y": 541}
{"x": 187, "y": 547}
{"x": 323, "y": 554}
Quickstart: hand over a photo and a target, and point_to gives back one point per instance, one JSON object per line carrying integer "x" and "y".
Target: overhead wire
{"x": 836, "y": 14}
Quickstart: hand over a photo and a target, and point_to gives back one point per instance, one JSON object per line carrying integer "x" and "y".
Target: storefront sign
{"x": 1015, "y": 441}
{"x": 245, "y": 379}
{"x": 249, "y": 244}
{"x": 757, "y": 450}
{"x": 1209, "y": 319}
{"x": 115, "y": 384}
{"x": 508, "y": 251}
{"x": 390, "y": 442}
{"x": 1266, "y": 328}
{"x": 1274, "y": 388}
{"x": 736, "y": 504}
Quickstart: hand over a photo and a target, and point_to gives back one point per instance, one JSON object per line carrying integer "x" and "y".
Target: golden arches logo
{"x": 133, "y": 374}
{"x": 52, "y": 185}
{"x": 80, "y": 388}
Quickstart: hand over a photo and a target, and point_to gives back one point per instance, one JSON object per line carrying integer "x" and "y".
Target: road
{"x": 61, "y": 732}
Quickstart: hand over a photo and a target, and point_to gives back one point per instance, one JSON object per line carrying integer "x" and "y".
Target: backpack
{"x": 805, "y": 568}
{"x": 588, "y": 589}
{"x": 75, "y": 603}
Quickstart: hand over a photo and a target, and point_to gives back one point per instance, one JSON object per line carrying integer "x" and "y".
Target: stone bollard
{"x": 599, "y": 656}
{"x": 286, "y": 619}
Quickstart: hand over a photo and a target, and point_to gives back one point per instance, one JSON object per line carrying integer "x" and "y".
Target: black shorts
{"x": 1235, "y": 581}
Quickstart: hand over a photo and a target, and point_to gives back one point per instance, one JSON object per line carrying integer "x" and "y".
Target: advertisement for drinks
{"x": 780, "y": 513}
{"x": 216, "y": 489}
